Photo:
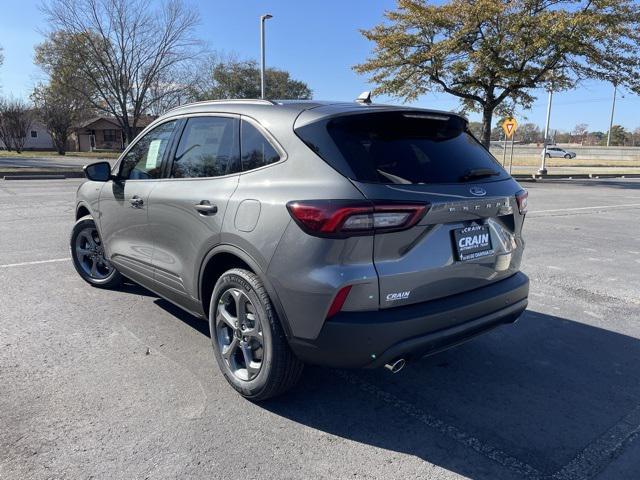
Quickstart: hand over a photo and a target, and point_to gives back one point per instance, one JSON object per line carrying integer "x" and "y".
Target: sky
{"x": 317, "y": 42}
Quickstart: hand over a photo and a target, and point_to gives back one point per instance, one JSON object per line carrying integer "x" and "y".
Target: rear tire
{"x": 88, "y": 256}
{"x": 548, "y": 155}
{"x": 248, "y": 340}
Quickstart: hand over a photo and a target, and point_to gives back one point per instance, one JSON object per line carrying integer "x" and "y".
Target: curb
{"x": 536, "y": 177}
{"x": 41, "y": 175}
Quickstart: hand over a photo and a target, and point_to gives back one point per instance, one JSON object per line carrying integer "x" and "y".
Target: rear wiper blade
{"x": 478, "y": 173}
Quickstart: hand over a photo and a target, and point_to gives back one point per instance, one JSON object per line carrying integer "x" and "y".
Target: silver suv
{"x": 338, "y": 234}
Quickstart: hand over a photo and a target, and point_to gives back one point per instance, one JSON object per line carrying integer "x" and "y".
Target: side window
{"x": 208, "y": 147}
{"x": 144, "y": 160}
{"x": 256, "y": 149}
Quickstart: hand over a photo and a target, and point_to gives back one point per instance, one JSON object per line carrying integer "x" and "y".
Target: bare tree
{"x": 581, "y": 130}
{"x": 1, "y": 57}
{"x": 123, "y": 48}
{"x": 16, "y": 117}
{"x": 5, "y": 136}
{"x": 170, "y": 91}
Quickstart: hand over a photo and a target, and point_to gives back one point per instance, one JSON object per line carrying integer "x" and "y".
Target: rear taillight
{"x": 522, "y": 197}
{"x": 345, "y": 218}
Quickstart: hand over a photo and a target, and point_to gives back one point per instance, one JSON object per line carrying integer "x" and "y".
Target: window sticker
{"x": 153, "y": 153}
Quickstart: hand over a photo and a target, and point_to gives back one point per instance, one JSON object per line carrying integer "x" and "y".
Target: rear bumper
{"x": 371, "y": 339}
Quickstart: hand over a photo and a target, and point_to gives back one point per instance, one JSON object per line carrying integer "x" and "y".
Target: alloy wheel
{"x": 89, "y": 253}
{"x": 239, "y": 334}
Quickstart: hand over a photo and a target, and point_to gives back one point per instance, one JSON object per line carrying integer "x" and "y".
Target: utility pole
{"x": 613, "y": 108}
{"x": 263, "y": 18}
{"x": 543, "y": 168}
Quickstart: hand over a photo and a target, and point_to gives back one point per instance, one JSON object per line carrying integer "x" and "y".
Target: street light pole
{"x": 613, "y": 108}
{"x": 543, "y": 168}
{"x": 262, "y": 20}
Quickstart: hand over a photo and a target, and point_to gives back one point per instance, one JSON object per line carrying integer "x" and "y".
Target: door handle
{"x": 205, "y": 208}
{"x": 136, "y": 201}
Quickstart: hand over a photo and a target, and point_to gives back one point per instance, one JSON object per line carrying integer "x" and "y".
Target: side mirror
{"x": 98, "y": 172}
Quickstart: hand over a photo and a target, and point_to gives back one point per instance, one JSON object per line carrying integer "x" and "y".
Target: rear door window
{"x": 405, "y": 147}
{"x": 208, "y": 147}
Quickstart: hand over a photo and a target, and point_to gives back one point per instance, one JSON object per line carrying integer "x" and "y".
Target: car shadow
{"x": 133, "y": 288}
{"x": 194, "y": 322}
{"x": 198, "y": 324}
{"x": 531, "y": 395}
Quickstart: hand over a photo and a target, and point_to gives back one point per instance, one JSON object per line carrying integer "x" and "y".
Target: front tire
{"x": 88, "y": 255}
{"x": 248, "y": 341}
{"x": 567, "y": 156}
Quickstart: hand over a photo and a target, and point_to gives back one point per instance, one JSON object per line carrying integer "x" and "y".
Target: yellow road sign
{"x": 509, "y": 126}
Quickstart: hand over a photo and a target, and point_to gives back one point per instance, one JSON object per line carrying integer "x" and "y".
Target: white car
{"x": 557, "y": 152}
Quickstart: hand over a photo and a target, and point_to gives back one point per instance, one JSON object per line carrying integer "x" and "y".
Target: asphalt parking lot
{"x": 556, "y": 395}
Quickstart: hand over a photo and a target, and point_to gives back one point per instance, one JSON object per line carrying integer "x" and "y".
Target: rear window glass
{"x": 256, "y": 149}
{"x": 402, "y": 148}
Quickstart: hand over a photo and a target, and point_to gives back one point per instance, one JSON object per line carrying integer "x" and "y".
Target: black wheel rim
{"x": 89, "y": 253}
{"x": 239, "y": 334}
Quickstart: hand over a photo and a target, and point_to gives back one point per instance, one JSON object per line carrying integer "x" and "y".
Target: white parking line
{"x": 37, "y": 262}
{"x": 599, "y": 453}
{"x": 599, "y": 207}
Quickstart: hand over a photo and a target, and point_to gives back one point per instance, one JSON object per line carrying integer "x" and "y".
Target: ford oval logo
{"x": 478, "y": 191}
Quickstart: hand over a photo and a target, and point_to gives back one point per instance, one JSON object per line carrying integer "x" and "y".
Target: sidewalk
{"x": 71, "y": 167}
{"x": 59, "y": 162}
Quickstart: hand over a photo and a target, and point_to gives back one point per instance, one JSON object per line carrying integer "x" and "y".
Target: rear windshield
{"x": 402, "y": 147}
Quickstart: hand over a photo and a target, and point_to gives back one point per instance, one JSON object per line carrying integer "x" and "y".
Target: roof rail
{"x": 248, "y": 101}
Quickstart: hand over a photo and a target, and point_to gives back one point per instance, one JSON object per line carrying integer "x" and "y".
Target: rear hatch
{"x": 470, "y": 234}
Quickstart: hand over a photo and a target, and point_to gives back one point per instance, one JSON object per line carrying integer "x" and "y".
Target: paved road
{"x": 556, "y": 395}
{"x": 53, "y": 162}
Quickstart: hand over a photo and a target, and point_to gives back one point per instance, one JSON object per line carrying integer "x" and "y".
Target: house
{"x": 104, "y": 133}
{"x": 37, "y": 138}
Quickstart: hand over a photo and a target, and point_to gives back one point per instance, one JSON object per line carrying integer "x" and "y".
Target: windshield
{"x": 402, "y": 147}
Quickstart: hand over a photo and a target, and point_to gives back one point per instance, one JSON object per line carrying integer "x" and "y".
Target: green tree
{"x": 232, "y": 78}
{"x": 491, "y": 53}
{"x": 66, "y": 98}
{"x": 596, "y": 138}
{"x": 59, "y": 108}
{"x": 618, "y": 135}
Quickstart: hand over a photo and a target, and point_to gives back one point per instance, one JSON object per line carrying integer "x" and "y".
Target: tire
{"x": 567, "y": 156}
{"x": 85, "y": 238}
{"x": 238, "y": 291}
{"x": 548, "y": 155}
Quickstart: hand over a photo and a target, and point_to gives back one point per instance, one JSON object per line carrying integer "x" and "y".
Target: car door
{"x": 124, "y": 223}
{"x": 187, "y": 208}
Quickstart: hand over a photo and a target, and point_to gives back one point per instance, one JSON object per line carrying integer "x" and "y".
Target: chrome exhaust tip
{"x": 396, "y": 365}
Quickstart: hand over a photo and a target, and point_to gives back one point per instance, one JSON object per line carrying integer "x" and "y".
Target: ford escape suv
{"x": 338, "y": 234}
